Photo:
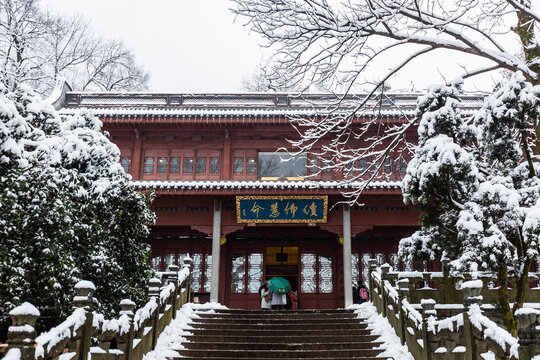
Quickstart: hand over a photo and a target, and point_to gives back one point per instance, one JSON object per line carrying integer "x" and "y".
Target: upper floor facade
{"x": 238, "y": 137}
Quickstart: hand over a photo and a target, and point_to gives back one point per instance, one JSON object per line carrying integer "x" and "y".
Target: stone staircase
{"x": 305, "y": 334}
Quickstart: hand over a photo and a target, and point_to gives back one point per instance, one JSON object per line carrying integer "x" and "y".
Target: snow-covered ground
{"x": 173, "y": 335}
{"x": 379, "y": 325}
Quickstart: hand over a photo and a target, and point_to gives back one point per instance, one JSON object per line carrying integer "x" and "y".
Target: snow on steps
{"x": 356, "y": 333}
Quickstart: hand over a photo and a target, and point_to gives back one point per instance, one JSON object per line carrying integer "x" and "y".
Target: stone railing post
{"x": 153, "y": 292}
{"x": 403, "y": 292}
{"x": 21, "y": 334}
{"x": 385, "y": 269}
{"x": 84, "y": 298}
{"x": 173, "y": 279}
{"x": 154, "y": 287}
{"x": 372, "y": 265}
{"x": 528, "y": 333}
{"x": 428, "y": 310}
{"x": 173, "y": 274}
{"x": 188, "y": 263}
{"x": 165, "y": 278}
{"x": 126, "y": 343}
{"x": 471, "y": 296}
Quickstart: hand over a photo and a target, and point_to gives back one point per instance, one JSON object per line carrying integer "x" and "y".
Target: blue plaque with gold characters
{"x": 281, "y": 209}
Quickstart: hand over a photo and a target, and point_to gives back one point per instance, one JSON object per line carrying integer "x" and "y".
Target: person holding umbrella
{"x": 279, "y": 287}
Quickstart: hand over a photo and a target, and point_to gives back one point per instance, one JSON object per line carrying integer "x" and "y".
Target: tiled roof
{"x": 256, "y": 185}
{"x": 128, "y": 105}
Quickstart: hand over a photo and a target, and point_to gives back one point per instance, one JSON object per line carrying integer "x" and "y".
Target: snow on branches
{"x": 67, "y": 211}
{"x": 341, "y": 42}
{"x": 359, "y": 44}
{"x": 477, "y": 183}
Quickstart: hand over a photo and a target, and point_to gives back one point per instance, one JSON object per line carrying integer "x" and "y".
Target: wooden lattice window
{"x": 317, "y": 274}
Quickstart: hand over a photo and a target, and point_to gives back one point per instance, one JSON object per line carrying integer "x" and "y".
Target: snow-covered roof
{"x": 264, "y": 185}
{"x": 257, "y": 105}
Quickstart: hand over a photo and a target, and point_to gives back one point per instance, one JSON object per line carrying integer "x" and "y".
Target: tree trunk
{"x": 522, "y": 285}
{"x": 526, "y": 33}
{"x": 509, "y": 320}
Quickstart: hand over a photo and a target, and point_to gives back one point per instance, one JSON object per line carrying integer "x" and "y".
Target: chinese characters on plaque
{"x": 282, "y": 209}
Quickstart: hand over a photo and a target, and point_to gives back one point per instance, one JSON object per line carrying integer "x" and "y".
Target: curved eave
{"x": 266, "y": 187}
{"x": 133, "y": 117}
{"x": 217, "y": 120}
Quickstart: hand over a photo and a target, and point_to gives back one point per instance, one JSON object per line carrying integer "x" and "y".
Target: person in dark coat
{"x": 355, "y": 294}
{"x": 362, "y": 293}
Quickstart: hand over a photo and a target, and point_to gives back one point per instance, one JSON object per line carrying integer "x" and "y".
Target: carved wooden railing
{"x": 465, "y": 332}
{"x": 128, "y": 337}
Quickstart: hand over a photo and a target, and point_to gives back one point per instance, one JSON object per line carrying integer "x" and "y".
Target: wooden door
{"x": 243, "y": 278}
{"x": 282, "y": 261}
{"x": 318, "y": 288}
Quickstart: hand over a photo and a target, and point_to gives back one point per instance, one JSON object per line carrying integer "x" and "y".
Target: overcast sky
{"x": 197, "y": 46}
{"x": 186, "y": 45}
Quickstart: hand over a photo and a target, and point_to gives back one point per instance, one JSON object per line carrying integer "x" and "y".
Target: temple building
{"x": 226, "y": 197}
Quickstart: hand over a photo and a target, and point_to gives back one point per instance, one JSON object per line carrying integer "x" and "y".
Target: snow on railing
{"x": 452, "y": 323}
{"x": 183, "y": 274}
{"x": 493, "y": 331}
{"x": 166, "y": 292}
{"x": 413, "y": 314}
{"x": 144, "y": 313}
{"x": 464, "y": 330}
{"x": 13, "y": 354}
{"x": 129, "y": 336}
{"x": 58, "y": 336}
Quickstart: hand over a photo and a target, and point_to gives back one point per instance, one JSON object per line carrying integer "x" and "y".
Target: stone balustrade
{"x": 434, "y": 285}
{"x": 129, "y": 337}
{"x": 435, "y": 328}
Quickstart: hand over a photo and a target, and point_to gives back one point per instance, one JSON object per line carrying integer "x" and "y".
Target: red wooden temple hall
{"x": 225, "y": 197}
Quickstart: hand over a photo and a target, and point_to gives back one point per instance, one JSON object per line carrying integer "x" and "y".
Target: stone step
{"x": 288, "y": 354}
{"x": 297, "y": 334}
{"x": 277, "y": 326}
{"x": 303, "y": 311}
{"x": 274, "y": 321}
{"x": 262, "y": 357}
{"x": 278, "y": 315}
{"x": 312, "y": 339}
{"x": 288, "y": 346}
{"x": 275, "y": 332}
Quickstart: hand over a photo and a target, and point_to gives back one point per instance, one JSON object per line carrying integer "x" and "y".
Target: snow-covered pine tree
{"x": 34, "y": 213}
{"x": 480, "y": 195}
{"x": 500, "y": 225}
{"x": 106, "y": 251}
{"x": 67, "y": 212}
{"x": 441, "y": 175}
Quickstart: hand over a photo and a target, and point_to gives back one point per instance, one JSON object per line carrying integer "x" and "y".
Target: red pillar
{"x": 226, "y": 156}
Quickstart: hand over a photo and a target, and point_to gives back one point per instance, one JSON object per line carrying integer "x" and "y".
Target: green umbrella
{"x": 279, "y": 285}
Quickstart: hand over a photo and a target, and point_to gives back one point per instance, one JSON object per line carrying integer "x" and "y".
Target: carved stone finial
{"x": 403, "y": 288}
{"x": 173, "y": 273}
{"x": 84, "y": 297}
{"x": 471, "y": 292}
{"x": 154, "y": 285}
{"x": 385, "y": 268}
{"x": 21, "y": 333}
{"x": 428, "y": 308}
{"x": 188, "y": 263}
{"x": 127, "y": 307}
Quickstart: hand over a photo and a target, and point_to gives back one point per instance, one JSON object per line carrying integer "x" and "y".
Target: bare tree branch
{"x": 319, "y": 41}
{"x": 37, "y": 47}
